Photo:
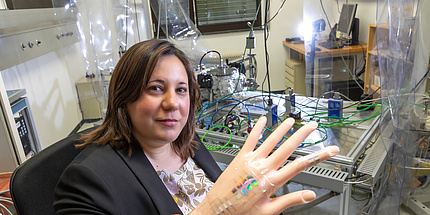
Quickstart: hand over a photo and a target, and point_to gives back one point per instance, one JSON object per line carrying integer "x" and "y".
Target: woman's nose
{"x": 170, "y": 101}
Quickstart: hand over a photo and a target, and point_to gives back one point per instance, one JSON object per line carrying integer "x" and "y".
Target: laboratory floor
{"x": 331, "y": 206}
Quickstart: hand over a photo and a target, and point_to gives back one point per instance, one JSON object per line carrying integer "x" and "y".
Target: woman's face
{"x": 160, "y": 113}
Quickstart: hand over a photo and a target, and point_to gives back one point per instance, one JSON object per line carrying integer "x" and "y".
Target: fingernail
{"x": 333, "y": 150}
{"x": 290, "y": 121}
{"x": 313, "y": 124}
{"x": 308, "y": 196}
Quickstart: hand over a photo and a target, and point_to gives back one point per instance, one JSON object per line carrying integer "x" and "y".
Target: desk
{"x": 298, "y": 50}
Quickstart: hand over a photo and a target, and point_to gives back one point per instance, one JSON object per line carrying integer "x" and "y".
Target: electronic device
{"x": 331, "y": 44}
{"x": 347, "y": 24}
{"x": 335, "y": 107}
{"x": 291, "y": 39}
{"x": 318, "y": 25}
{"x": 290, "y": 101}
{"x": 204, "y": 80}
{"x": 272, "y": 116}
{"x": 24, "y": 122}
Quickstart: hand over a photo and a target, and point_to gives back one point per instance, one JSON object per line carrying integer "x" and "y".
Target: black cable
{"x": 363, "y": 69}
{"x": 355, "y": 177}
{"x": 422, "y": 79}
{"x": 282, "y": 5}
{"x": 225, "y": 121}
{"x": 328, "y": 21}
{"x": 267, "y": 6}
{"x": 322, "y": 95}
{"x": 201, "y": 59}
{"x": 364, "y": 99}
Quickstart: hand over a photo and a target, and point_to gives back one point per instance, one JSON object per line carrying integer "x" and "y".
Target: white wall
{"x": 286, "y": 24}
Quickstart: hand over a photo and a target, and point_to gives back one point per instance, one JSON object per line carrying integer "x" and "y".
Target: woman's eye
{"x": 182, "y": 90}
{"x": 155, "y": 88}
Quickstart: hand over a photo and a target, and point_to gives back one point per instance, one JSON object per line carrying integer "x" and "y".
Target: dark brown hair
{"x": 129, "y": 79}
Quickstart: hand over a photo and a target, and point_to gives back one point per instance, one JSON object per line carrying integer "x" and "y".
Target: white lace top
{"x": 188, "y": 185}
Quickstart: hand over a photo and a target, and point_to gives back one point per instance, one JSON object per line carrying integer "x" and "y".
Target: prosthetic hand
{"x": 253, "y": 176}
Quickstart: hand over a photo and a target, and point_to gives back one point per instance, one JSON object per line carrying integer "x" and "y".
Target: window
{"x": 216, "y": 15}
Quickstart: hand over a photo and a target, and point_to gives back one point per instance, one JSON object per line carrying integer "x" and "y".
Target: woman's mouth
{"x": 168, "y": 122}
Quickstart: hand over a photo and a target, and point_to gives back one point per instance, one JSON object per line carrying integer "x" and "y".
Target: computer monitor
{"x": 346, "y": 20}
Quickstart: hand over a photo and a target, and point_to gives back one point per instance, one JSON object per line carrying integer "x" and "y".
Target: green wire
{"x": 304, "y": 143}
{"x": 345, "y": 118}
{"x": 225, "y": 145}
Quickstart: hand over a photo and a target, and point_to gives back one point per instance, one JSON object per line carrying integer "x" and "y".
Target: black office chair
{"x": 33, "y": 183}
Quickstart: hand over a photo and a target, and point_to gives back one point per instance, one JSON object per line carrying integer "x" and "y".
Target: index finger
{"x": 287, "y": 148}
{"x": 254, "y": 136}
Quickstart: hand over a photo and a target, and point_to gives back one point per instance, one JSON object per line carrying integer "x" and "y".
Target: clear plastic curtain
{"x": 106, "y": 29}
{"x": 174, "y": 21}
{"x": 317, "y": 13}
{"x": 402, "y": 57}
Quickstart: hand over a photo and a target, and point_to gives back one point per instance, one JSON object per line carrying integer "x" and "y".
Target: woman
{"x": 142, "y": 159}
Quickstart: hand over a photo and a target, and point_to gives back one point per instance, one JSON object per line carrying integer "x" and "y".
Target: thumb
{"x": 279, "y": 204}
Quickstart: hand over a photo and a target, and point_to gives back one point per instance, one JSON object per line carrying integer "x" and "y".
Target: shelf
{"x": 371, "y": 70}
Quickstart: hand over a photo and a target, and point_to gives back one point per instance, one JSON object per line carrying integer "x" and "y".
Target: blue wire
{"x": 206, "y": 107}
{"x": 212, "y": 119}
{"x": 270, "y": 112}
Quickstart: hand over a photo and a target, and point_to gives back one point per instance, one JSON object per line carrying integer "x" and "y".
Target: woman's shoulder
{"x": 96, "y": 155}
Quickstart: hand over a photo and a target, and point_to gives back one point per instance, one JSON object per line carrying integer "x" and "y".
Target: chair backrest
{"x": 33, "y": 183}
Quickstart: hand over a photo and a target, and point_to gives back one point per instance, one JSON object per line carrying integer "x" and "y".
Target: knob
{"x": 60, "y": 35}
{"x": 23, "y": 46}
{"x": 38, "y": 42}
{"x": 30, "y": 44}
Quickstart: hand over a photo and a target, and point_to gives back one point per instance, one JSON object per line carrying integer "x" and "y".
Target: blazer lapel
{"x": 204, "y": 160}
{"x": 148, "y": 177}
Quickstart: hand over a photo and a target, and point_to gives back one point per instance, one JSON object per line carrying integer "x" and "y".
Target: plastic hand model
{"x": 253, "y": 176}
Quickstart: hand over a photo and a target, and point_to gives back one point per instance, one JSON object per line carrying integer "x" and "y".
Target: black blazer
{"x": 102, "y": 180}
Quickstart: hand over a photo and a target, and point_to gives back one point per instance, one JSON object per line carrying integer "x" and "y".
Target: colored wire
{"x": 210, "y": 105}
{"x": 225, "y": 121}
{"x": 375, "y": 114}
{"x": 265, "y": 110}
{"x": 212, "y": 118}
{"x": 221, "y": 147}
{"x": 304, "y": 143}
